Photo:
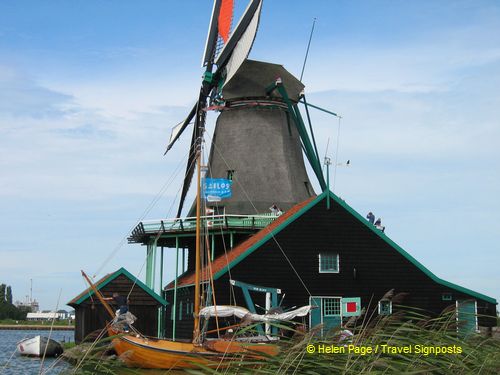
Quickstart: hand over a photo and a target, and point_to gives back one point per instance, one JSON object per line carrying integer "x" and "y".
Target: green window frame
{"x": 385, "y": 307}
{"x": 329, "y": 262}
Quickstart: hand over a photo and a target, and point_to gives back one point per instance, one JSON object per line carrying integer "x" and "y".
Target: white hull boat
{"x": 38, "y": 345}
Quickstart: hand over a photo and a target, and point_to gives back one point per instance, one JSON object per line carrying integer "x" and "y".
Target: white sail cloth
{"x": 224, "y": 311}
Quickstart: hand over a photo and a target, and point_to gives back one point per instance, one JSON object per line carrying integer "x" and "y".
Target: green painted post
{"x": 321, "y": 109}
{"x": 213, "y": 246}
{"x": 148, "y": 265}
{"x": 231, "y": 239}
{"x": 174, "y": 307}
{"x": 153, "y": 268}
{"x": 294, "y": 112}
{"x": 162, "y": 309}
{"x": 251, "y": 307}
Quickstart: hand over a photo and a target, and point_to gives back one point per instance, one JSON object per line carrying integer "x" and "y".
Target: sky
{"x": 89, "y": 91}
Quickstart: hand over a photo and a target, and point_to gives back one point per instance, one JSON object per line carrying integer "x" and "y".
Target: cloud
{"x": 20, "y": 96}
{"x": 73, "y": 151}
{"x": 85, "y": 131}
{"x": 428, "y": 62}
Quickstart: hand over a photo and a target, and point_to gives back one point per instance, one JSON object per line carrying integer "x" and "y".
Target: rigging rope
{"x": 266, "y": 228}
{"x": 232, "y": 295}
{"x": 50, "y": 332}
{"x": 155, "y": 200}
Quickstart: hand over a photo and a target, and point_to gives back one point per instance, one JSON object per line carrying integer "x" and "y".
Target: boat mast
{"x": 99, "y": 295}
{"x": 197, "y": 294}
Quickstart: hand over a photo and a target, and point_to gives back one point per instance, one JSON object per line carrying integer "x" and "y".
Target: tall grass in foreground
{"x": 479, "y": 354}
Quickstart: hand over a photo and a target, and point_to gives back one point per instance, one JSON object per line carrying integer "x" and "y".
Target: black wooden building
{"x": 325, "y": 256}
{"x": 91, "y": 316}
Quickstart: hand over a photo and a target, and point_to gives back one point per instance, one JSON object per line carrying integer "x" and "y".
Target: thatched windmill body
{"x": 259, "y": 135}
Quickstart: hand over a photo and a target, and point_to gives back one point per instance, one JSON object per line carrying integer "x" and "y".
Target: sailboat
{"x": 140, "y": 351}
{"x": 137, "y": 350}
{"x": 227, "y": 50}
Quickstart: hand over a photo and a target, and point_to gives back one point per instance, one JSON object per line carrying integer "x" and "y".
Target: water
{"x": 11, "y": 363}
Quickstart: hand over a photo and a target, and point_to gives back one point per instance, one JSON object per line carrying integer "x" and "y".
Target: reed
{"x": 412, "y": 329}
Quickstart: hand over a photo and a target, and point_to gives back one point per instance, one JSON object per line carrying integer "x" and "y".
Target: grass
{"x": 423, "y": 335}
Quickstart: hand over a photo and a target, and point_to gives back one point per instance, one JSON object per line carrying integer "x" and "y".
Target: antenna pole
{"x": 31, "y": 291}
{"x": 307, "y": 51}
{"x": 328, "y": 162}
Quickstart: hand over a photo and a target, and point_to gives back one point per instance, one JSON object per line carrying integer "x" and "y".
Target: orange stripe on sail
{"x": 225, "y": 18}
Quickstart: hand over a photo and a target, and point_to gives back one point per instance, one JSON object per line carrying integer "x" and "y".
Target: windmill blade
{"x": 211, "y": 43}
{"x": 243, "y": 46}
{"x": 194, "y": 148}
{"x": 179, "y": 129}
{"x": 238, "y": 32}
{"x": 219, "y": 26}
{"x": 188, "y": 175}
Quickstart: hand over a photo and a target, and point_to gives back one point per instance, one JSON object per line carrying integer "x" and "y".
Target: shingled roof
{"x": 219, "y": 265}
{"x": 227, "y": 261}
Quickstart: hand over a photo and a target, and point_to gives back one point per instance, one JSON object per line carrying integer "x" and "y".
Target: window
{"x": 385, "y": 307}
{"x": 328, "y": 262}
{"x": 331, "y": 306}
{"x": 446, "y": 297}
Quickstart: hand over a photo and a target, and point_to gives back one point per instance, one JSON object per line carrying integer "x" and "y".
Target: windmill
{"x": 259, "y": 135}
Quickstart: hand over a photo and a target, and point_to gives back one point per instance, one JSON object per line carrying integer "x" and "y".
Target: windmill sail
{"x": 244, "y": 45}
{"x": 225, "y": 19}
{"x": 253, "y": 8}
{"x": 219, "y": 29}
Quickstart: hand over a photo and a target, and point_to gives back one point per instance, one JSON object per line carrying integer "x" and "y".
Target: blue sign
{"x": 216, "y": 189}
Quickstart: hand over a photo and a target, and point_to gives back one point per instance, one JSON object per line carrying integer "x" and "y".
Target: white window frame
{"x": 390, "y": 307}
{"x": 330, "y": 253}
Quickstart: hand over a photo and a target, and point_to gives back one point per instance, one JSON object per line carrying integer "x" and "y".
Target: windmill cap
{"x": 254, "y": 77}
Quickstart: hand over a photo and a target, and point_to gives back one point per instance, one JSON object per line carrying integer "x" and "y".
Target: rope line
{"x": 50, "y": 332}
{"x": 153, "y": 202}
{"x": 266, "y": 228}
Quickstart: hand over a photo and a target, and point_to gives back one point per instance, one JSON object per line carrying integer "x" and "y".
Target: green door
{"x": 466, "y": 317}
{"x": 331, "y": 313}
{"x": 327, "y": 312}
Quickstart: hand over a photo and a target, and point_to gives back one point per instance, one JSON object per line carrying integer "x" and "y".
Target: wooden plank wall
{"x": 91, "y": 315}
{"x": 369, "y": 267}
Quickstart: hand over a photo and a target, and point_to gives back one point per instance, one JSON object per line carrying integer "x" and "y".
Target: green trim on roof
{"x": 360, "y": 218}
{"x": 412, "y": 260}
{"x": 113, "y": 276}
{"x": 270, "y": 235}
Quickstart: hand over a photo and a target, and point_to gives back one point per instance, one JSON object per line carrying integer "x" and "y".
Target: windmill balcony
{"x": 187, "y": 226}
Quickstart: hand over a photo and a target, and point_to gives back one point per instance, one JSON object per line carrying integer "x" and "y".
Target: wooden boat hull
{"x": 165, "y": 354}
{"x": 38, "y": 345}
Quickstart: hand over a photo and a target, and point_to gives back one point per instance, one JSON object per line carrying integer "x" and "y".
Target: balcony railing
{"x": 188, "y": 224}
